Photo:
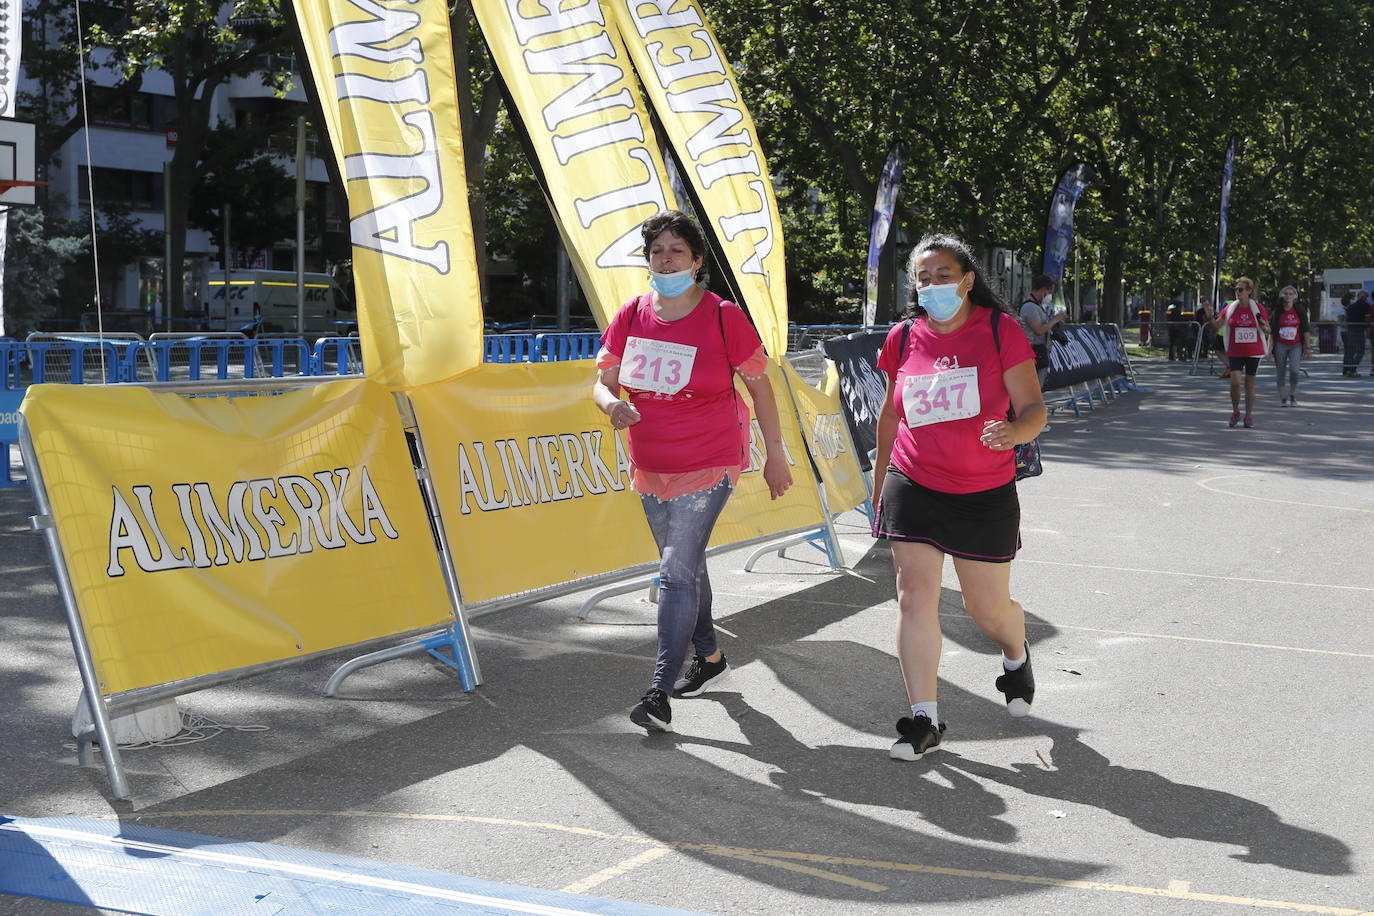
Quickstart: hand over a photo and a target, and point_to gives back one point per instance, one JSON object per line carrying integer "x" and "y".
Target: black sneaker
{"x": 699, "y": 675}
{"x": 1019, "y": 687}
{"x": 916, "y": 738}
{"x": 652, "y": 712}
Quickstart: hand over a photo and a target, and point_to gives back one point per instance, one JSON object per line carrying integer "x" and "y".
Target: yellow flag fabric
{"x": 828, "y": 437}
{"x": 693, "y": 90}
{"x": 573, "y": 89}
{"x": 211, "y": 534}
{"x": 534, "y": 484}
{"x": 384, "y": 77}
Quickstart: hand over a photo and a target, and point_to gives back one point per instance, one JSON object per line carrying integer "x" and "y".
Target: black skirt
{"x": 974, "y": 526}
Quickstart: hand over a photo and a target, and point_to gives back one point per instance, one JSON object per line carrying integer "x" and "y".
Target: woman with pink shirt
{"x": 945, "y": 473}
{"x": 1244, "y": 325}
{"x": 675, "y": 352}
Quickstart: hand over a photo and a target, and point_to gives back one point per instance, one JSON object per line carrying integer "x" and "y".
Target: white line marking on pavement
{"x": 615, "y": 871}
{"x": 1268, "y": 499}
{"x": 1192, "y": 575}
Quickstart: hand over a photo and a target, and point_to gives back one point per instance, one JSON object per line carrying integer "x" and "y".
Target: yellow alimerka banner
{"x": 210, "y": 534}
{"x": 534, "y": 484}
{"x": 694, "y": 93}
{"x": 383, "y": 74}
{"x": 573, "y": 89}
{"x": 828, "y": 437}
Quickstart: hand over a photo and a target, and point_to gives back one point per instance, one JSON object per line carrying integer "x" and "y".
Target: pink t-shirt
{"x": 1289, "y": 323}
{"x": 680, "y": 376}
{"x": 1243, "y": 337}
{"x": 949, "y": 385}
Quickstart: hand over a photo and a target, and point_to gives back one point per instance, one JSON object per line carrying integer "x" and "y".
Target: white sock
{"x": 925, "y": 709}
{"x": 1014, "y": 664}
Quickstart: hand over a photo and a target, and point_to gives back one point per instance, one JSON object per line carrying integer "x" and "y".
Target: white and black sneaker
{"x": 700, "y": 674}
{"x": 1018, "y": 687}
{"x": 916, "y": 737}
{"x": 652, "y": 713}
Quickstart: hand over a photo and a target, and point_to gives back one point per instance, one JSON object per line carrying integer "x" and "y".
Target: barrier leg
{"x": 42, "y": 522}
{"x": 823, "y": 539}
{"x": 447, "y": 638}
{"x": 621, "y": 588}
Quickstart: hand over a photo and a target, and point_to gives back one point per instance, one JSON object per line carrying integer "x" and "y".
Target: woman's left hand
{"x": 777, "y": 475}
{"x": 997, "y": 435}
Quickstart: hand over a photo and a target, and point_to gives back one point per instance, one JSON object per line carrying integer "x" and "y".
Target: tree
{"x": 200, "y": 49}
{"x": 39, "y": 249}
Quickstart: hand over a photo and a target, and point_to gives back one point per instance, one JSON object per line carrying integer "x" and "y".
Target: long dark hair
{"x": 981, "y": 295}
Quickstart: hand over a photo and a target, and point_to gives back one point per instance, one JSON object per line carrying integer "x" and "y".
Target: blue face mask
{"x": 940, "y": 301}
{"x": 672, "y": 285}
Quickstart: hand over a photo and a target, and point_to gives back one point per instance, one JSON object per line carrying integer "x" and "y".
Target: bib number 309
{"x": 656, "y": 365}
{"x": 941, "y": 396}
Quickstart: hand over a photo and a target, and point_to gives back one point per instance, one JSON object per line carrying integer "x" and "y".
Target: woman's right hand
{"x": 623, "y": 414}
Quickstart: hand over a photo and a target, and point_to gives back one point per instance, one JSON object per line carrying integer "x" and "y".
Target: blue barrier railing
{"x": 508, "y": 348}
{"x": 552, "y": 348}
{"x": 75, "y": 359}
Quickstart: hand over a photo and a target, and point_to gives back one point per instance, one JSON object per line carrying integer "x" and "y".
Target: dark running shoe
{"x": 699, "y": 675}
{"x": 652, "y": 712}
{"x": 916, "y": 737}
{"x": 1018, "y": 687}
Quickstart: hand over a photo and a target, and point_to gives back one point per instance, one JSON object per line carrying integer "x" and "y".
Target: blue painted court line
{"x": 168, "y": 873}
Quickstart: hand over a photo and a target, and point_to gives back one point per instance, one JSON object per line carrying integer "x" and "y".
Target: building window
{"x": 137, "y": 190}
{"x": 111, "y": 107}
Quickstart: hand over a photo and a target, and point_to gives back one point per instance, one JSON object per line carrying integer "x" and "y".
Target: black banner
{"x": 1089, "y": 352}
{"x": 862, "y": 386}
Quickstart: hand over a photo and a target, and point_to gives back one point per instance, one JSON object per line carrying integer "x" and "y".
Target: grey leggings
{"x": 681, "y": 528}
{"x": 1289, "y": 359}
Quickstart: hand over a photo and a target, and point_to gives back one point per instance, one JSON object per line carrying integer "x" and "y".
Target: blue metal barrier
{"x": 551, "y": 348}
{"x": 154, "y": 360}
{"x": 104, "y": 357}
{"x": 508, "y": 348}
{"x": 11, "y": 395}
{"x": 347, "y": 356}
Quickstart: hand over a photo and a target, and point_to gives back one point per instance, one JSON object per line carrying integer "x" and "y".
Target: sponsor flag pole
{"x": 1059, "y": 218}
{"x": 1228, "y": 167}
{"x": 884, "y": 205}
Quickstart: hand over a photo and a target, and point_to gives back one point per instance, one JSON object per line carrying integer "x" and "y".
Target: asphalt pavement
{"x": 1201, "y": 607}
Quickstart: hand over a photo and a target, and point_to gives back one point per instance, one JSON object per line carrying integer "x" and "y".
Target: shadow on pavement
{"x": 558, "y": 706}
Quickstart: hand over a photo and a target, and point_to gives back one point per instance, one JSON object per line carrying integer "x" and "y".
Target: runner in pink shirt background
{"x": 675, "y": 352}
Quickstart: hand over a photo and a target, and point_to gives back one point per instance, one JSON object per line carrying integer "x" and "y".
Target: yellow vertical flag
{"x": 694, "y": 93}
{"x": 383, "y": 74}
{"x": 573, "y": 89}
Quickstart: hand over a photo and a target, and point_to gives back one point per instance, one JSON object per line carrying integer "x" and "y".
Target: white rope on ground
{"x": 90, "y": 186}
{"x": 194, "y": 729}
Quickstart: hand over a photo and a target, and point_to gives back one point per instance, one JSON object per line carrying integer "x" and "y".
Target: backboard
{"x": 17, "y": 185}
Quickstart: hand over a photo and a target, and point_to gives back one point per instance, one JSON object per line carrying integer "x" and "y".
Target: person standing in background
{"x": 1040, "y": 319}
{"x": 1357, "y": 315}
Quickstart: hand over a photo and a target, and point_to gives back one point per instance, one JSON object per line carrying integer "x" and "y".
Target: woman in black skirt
{"x": 945, "y": 473}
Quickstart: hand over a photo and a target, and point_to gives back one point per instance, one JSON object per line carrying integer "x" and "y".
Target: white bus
{"x": 327, "y": 309}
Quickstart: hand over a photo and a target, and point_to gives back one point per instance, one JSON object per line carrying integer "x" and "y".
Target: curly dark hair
{"x": 679, "y": 224}
{"x": 981, "y": 294}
